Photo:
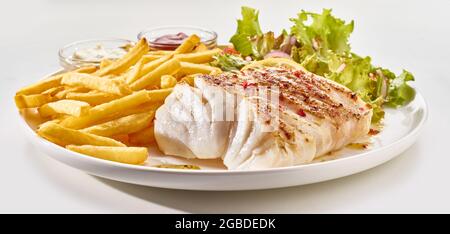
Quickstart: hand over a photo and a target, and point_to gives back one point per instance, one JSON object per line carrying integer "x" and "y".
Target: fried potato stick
{"x": 33, "y": 100}
{"x": 154, "y": 78}
{"x": 65, "y": 136}
{"x": 129, "y": 155}
{"x": 68, "y": 107}
{"x": 188, "y": 45}
{"x": 105, "y": 110}
{"x": 124, "y": 125}
{"x": 50, "y": 82}
{"x": 168, "y": 81}
{"x": 93, "y": 98}
{"x": 143, "y": 137}
{"x": 128, "y": 60}
{"x": 192, "y": 68}
{"x": 159, "y": 95}
{"x": 198, "y": 57}
{"x": 112, "y": 86}
{"x": 150, "y": 66}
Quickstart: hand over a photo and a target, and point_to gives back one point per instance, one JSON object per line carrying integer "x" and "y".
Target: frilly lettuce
{"x": 249, "y": 39}
{"x": 324, "y": 50}
{"x": 399, "y": 91}
{"x": 228, "y": 62}
{"x": 322, "y": 47}
{"x": 323, "y": 34}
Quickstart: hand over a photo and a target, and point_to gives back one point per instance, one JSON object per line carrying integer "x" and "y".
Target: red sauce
{"x": 169, "y": 41}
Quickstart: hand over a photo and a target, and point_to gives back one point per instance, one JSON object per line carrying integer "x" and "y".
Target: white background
{"x": 398, "y": 34}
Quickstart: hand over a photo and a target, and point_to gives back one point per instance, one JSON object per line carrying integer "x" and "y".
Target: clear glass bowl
{"x": 69, "y": 62}
{"x": 207, "y": 37}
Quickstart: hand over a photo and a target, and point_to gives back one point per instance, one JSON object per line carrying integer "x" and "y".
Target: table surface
{"x": 397, "y": 34}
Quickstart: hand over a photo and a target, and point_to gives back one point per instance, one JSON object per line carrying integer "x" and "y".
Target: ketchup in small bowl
{"x": 169, "y": 41}
{"x": 170, "y": 37}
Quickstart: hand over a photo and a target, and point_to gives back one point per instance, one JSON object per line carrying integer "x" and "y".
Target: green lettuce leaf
{"x": 249, "y": 39}
{"x": 228, "y": 62}
{"x": 324, "y": 33}
{"x": 243, "y": 44}
{"x": 356, "y": 73}
{"x": 263, "y": 44}
{"x": 247, "y": 27}
{"x": 249, "y": 24}
{"x": 324, "y": 50}
{"x": 378, "y": 112}
{"x": 399, "y": 92}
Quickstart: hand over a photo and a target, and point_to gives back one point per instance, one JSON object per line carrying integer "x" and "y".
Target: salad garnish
{"x": 320, "y": 43}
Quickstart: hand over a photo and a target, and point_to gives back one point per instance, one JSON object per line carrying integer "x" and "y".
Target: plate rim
{"x": 102, "y": 162}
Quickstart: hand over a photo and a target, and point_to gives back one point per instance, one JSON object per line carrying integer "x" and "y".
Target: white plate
{"x": 401, "y": 129}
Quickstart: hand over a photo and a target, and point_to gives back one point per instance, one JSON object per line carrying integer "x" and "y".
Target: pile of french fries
{"x": 107, "y": 111}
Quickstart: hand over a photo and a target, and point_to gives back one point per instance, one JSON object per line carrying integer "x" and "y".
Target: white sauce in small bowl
{"x": 97, "y": 53}
{"x": 92, "y": 52}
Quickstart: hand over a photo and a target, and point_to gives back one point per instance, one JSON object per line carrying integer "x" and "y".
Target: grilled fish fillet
{"x": 288, "y": 118}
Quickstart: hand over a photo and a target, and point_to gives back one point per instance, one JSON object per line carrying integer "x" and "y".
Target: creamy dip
{"x": 98, "y": 53}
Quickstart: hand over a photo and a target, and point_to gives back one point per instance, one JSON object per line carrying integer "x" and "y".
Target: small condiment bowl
{"x": 207, "y": 37}
{"x": 69, "y": 62}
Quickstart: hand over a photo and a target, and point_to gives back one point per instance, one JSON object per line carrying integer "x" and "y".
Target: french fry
{"x": 156, "y": 54}
{"x": 124, "y": 125}
{"x": 151, "y": 57}
{"x": 63, "y": 93}
{"x": 188, "y": 79}
{"x": 154, "y": 77}
{"x": 143, "y": 137}
{"x": 145, "y": 107}
{"x": 98, "y": 111}
{"x": 33, "y": 100}
{"x": 61, "y": 117}
{"x": 65, "y": 136}
{"x": 86, "y": 69}
{"x": 192, "y": 68}
{"x": 200, "y": 48}
{"x": 199, "y": 57}
{"x": 122, "y": 138}
{"x": 105, "y": 62}
{"x": 160, "y": 52}
{"x": 53, "y": 91}
{"x": 188, "y": 45}
{"x": 93, "y": 98}
{"x": 41, "y": 86}
{"x": 110, "y": 77}
{"x": 105, "y": 110}
{"x": 168, "y": 81}
{"x": 129, "y": 155}
{"x": 56, "y": 121}
{"x": 128, "y": 60}
{"x": 133, "y": 75}
{"x": 50, "y": 82}
{"x": 159, "y": 95}
{"x": 68, "y": 107}
{"x": 97, "y": 83}
{"x": 148, "y": 67}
